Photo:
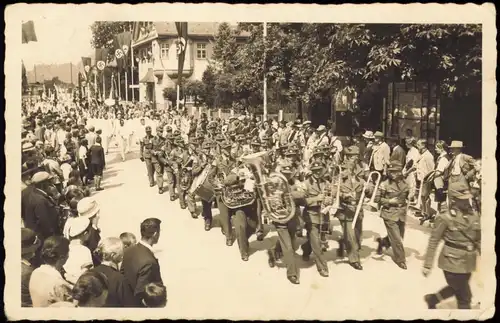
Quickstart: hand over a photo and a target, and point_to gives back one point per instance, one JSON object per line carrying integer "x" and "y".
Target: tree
{"x": 194, "y": 88}
{"x": 104, "y": 31}
{"x": 208, "y": 96}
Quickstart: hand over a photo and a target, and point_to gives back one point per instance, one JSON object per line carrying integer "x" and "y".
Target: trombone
{"x": 328, "y": 211}
{"x": 370, "y": 207}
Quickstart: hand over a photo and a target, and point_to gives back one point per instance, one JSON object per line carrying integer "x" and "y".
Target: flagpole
{"x": 103, "y": 87}
{"x": 265, "y": 78}
{"x": 119, "y": 86}
{"x": 132, "y": 72}
{"x": 95, "y": 84}
{"x": 126, "y": 86}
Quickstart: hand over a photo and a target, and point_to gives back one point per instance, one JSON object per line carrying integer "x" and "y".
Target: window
{"x": 189, "y": 99}
{"x": 201, "y": 51}
{"x": 164, "y": 47}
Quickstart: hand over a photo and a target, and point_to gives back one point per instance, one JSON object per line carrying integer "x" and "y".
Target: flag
{"x": 28, "y": 31}
{"x": 181, "y": 47}
{"x": 101, "y": 57}
{"x": 122, "y": 49}
{"x": 87, "y": 63}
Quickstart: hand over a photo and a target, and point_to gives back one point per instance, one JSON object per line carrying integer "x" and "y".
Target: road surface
{"x": 207, "y": 279}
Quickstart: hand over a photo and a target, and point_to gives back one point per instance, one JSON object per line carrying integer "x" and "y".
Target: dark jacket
{"x": 120, "y": 293}
{"x": 39, "y": 212}
{"x": 97, "y": 157}
{"x": 26, "y": 272}
{"x": 140, "y": 268}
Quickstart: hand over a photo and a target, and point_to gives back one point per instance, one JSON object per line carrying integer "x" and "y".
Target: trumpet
{"x": 371, "y": 206}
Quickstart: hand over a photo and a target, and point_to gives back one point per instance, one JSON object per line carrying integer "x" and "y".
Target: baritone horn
{"x": 371, "y": 206}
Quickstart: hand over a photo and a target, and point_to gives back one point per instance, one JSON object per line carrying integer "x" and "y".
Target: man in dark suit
{"x": 140, "y": 265}
{"x": 38, "y": 209}
{"x": 97, "y": 162}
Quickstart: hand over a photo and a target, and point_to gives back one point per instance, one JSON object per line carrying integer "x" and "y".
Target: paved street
{"x": 207, "y": 279}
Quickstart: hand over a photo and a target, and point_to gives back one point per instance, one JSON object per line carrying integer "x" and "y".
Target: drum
{"x": 202, "y": 187}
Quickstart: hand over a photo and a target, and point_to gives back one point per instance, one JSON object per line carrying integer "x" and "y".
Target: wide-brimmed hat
{"x": 378, "y": 134}
{"x": 456, "y": 144}
{"x": 40, "y": 177}
{"x": 28, "y": 147}
{"x": 368, "y": 135}
{"x": 88, "y": 207}
{"x": 29, "y": 241}
{"x": 78, "y": 226}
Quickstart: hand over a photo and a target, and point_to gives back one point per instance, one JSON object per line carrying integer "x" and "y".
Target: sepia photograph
{"x": 238, "y": 163}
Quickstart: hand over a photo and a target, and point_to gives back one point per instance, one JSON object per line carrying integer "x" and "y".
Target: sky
{"x": 61, "y": 39}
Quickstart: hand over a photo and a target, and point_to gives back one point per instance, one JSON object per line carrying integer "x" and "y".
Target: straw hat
{"x": 368, "y": 135}
{"x": 78, "y": 226}
{"x": 87, "y": 207}
{"x": 40, "y": 177}
{"x": 456, "y": 144}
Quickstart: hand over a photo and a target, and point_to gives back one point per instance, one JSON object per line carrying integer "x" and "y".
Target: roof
{"x": 194, "y": 28}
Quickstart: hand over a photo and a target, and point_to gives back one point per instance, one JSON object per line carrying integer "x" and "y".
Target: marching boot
{"x": 294, "y": 280}
{"x": 380, "y": 247}
{"x": 208, "y": 224}
{"x": 271, "y": 259}
{"x": 431, "y": 300}
{"x": 341, "y": 250}
{"x": 194, "y": 215}
{"x": 356, "y": 265}
{"x": 229, "y": 241}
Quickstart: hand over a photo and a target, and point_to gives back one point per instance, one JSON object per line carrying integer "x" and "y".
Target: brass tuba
{"x": 185, "y": 175}
{"x": 236, "y": 196}
{"x": 273, "y": 189}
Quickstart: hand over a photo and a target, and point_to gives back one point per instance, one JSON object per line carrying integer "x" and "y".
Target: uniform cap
{"x": 395, "y": 166}
{"x": 378, "y": 134}
{"x": 316, "y": 166}
{"x": 321, "y": 128}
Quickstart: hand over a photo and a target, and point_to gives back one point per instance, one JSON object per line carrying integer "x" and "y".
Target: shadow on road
{"x": 112, "y": 185}
{"x": 266, "y": 244}
{"x": 116, "y": 157}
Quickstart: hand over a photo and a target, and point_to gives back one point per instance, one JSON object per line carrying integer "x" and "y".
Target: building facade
{"x": 154, "y": 47}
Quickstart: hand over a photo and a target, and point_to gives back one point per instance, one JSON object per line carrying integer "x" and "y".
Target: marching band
{"x": 294, "y": 180}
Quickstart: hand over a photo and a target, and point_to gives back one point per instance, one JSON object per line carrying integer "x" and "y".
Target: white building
{"x": 155, "y": 54}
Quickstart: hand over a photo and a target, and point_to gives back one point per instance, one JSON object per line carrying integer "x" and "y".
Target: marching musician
{"x": 285, "y": 246}
{"x": 158, "y": 157}
{"x": 244, "y": 218}
{"x": 351, "y": 188}
{"x": 224, "y": 164}
{"x": 460, "y": 228}
{"x": 205, "y": 158}
{"x": 182, "y": 155}
{"x": 146, "y": 146}
{"x": 315, "y": 186}
{"x": 460, "y": 172}
{"x": 169, "y": 147}
{"x": 425, "y": 165}
{"x": 392, "y": 194}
